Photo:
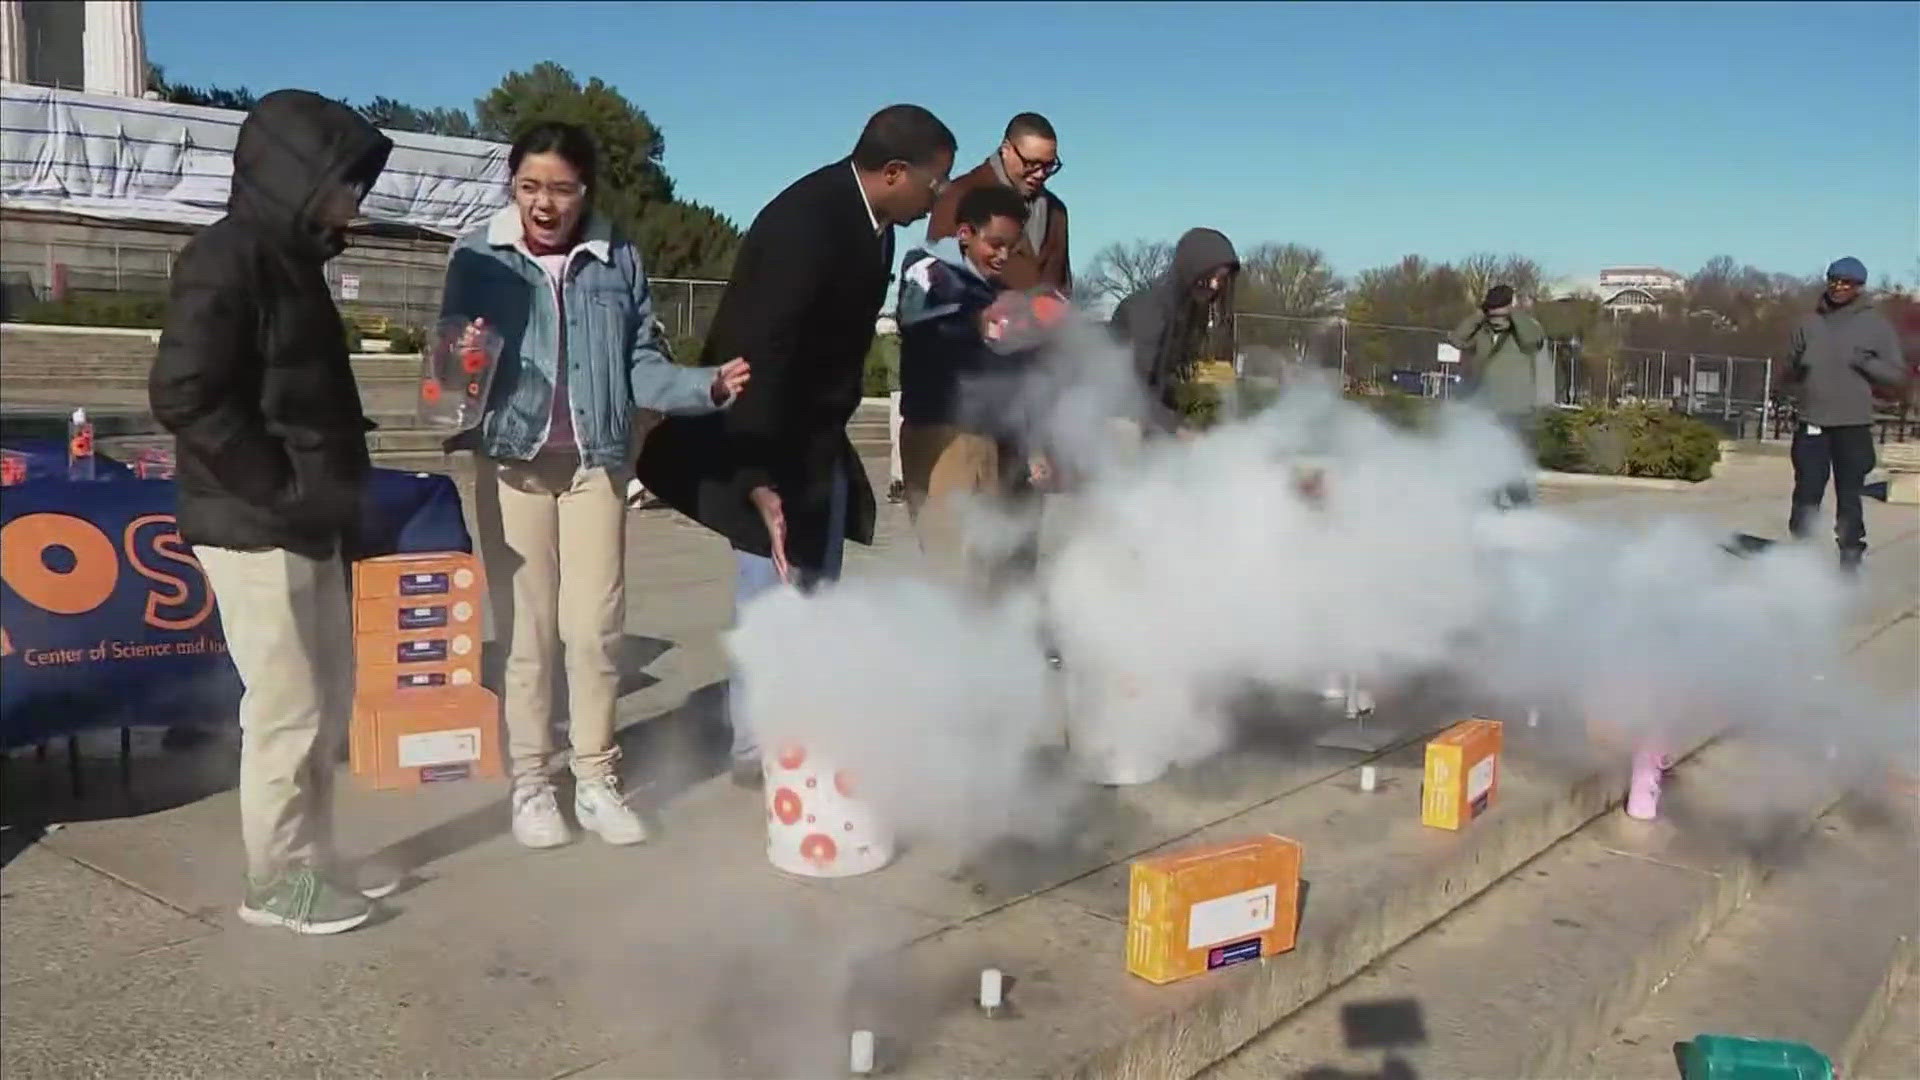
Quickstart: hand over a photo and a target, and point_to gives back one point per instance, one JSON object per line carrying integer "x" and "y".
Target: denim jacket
{"x": 616, "y": 359}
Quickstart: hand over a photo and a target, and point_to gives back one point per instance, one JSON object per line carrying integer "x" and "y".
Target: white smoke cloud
{"x": 1185, "y": 571}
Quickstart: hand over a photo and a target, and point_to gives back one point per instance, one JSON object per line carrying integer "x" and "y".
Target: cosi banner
{"x": 105, "y": 617}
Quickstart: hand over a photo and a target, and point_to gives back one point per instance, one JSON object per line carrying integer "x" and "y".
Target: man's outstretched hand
{"x": 767, "y": 502}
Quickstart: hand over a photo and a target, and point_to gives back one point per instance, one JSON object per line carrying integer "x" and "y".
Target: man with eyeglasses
{"x": 1028, "y": 157}
{"x": 1837, "y": 355}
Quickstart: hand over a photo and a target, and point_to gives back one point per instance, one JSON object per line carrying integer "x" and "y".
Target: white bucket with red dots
{"x": 817, "y": 826}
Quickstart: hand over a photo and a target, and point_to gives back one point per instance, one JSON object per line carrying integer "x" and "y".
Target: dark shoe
{"x": 1850, "y": 559}
{"x": 897, "y": 491}
{"x": 746, "y": 773}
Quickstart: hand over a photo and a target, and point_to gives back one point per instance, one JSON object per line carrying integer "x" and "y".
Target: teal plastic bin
{"x": 1728, "y": 1057}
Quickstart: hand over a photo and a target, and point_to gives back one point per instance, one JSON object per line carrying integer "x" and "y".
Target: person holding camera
{"x": 1498, "y": 345}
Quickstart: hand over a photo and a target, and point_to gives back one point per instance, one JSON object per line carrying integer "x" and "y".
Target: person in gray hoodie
{"x": 1168, "y": 323}
{"x": 1836, "y": 356}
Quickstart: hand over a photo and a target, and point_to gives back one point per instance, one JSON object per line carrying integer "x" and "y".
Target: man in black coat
{"x": 775, "y": 473}
{"x": 253, "y": 380}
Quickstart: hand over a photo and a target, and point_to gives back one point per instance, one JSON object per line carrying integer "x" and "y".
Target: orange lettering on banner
{"x": 167, "y": 545}
{"x": 24, "y": 542}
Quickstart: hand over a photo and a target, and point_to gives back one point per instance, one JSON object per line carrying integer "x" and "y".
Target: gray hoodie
{"x": 1836, "y": 356}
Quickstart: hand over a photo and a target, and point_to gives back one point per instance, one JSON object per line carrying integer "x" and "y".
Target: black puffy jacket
{"x": 252, "y": 374}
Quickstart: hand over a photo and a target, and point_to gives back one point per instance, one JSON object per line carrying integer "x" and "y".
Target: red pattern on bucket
{"x": 819, "y": 849}
{"x": 786, "y": 805}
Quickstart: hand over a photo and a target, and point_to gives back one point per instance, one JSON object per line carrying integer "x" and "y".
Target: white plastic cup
{"x": 817, "y": 825}
{"x": 990, "y": 989}
{"x": 860, "y": 1053}
{"x": 1369, "y": 778}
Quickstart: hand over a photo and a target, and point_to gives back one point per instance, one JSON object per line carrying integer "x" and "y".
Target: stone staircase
{"x": 45, "y": 372}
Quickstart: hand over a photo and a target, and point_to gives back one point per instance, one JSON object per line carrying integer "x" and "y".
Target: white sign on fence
{"x": 349, "y": 286}
{"x": 1447, "y": 354}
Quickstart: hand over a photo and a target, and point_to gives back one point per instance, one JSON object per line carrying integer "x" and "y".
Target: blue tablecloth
{"x": 106, "y": 618}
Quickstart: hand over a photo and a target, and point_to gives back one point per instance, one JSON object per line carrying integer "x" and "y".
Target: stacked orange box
{"x": 1462, "y": 774}
{"x": 1211, "y": 907}
{"x": 420, "y": 714}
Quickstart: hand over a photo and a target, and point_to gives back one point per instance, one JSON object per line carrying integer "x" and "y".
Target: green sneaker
{"x": 304, "y": 902}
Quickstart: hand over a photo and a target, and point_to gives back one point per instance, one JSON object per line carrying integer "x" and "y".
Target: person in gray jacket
{"x": 1837, "y": 355}
{"x": 1499, "y": 344}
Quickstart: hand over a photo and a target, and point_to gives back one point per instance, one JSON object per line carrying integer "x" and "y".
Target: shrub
{"x": 1408, "y": 412}
{"x": 354, "y": 336}
{"x": 685, "y": 349}
{"x": 406, "y": 339}
{"x": 143, "y": 311}
{"x": 1634, "y": 440}
{"x": 1197, "y": 403}
{"x": 882, "y": 374}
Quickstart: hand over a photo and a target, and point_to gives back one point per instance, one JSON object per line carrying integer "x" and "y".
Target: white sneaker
{"x": 536, "y": 818}
{"x": 600, "y": 808}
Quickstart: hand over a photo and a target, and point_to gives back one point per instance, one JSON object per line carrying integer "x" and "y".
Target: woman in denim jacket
{"x": 582, "y": 354}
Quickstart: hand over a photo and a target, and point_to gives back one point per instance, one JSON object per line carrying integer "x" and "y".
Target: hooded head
{"x": 296, "y": 150}
{"x": 1199, "y": 256}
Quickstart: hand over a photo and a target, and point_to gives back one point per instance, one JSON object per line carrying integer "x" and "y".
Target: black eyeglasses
{"x": 1044, "y": 168}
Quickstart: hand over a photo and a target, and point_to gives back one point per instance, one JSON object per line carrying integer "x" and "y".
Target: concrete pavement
{"x": 690, "y": 957}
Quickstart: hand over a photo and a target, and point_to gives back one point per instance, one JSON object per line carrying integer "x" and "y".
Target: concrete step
{"x": 1817, "y": 956}
{"x": 1894, "y": 1052}
{"x": 1375, "y": 878}
{"x": 1529, "y": 976}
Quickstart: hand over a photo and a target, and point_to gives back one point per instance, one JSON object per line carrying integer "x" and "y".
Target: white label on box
{"x": 1480, "y": 778}
{"x": 1228, "y": 918}
{"x": 439, "y": 748}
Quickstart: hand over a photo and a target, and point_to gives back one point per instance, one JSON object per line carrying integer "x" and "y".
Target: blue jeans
{"x": 754, "y": 574}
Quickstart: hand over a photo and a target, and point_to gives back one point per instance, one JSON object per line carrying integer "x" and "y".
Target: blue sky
{"x": 1580, "y": 134}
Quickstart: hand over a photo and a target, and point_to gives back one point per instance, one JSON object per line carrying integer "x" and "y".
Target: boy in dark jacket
{"x": 252, "y": 378}
{"x": 957, "y": 386}
{"x": 1167, "y": 323}
{"x": 1837, "y": 355}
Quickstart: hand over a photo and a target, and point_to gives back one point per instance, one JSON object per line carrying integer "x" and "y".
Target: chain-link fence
{"x": 1734, "y": 392}
{"x": 378, "y": 286}
{"x": 1404, "y": 358}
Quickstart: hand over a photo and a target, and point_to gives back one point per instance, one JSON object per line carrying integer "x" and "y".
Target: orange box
{"x": 403, "y": 741}
{"x": 393, "y": 663}
{"x": 392, "y": 615}
{"x": 427, "y": 578}
{"x": 1462, "y": 774}
{"x": 1212, "y": 907}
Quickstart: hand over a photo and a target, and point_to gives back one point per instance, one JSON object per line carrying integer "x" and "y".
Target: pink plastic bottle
{"x": 1643, "y": 791}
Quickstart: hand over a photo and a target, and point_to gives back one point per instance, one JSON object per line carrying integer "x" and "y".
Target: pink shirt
{"x": 560, "y": 431}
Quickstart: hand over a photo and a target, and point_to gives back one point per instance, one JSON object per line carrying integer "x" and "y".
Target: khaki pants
{"x": 290, "y": 633}
{"x": 553, "y": 535}
{"x": 943, "y": 467}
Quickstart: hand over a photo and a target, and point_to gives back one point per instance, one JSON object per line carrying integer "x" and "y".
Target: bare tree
{"x": 1120, "y": 270}
{"x": 1484, "y": 270}
{"x": 1289, "y": 279}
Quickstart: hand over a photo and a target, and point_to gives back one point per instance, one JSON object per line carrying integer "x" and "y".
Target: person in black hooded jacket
{"x": 1167, "y": 323}
{"x": 252, "y": 379}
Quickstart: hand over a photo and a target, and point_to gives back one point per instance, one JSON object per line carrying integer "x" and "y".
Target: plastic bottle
{"x": 1643, "y": 791}
{"x": 80, "y": 446}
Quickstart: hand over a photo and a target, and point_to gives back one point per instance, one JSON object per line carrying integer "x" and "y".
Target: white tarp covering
{"x": 129, "y": 159}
